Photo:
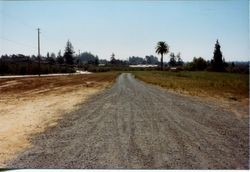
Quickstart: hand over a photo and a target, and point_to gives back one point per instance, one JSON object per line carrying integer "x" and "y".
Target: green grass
{"x": 225, "y": 85}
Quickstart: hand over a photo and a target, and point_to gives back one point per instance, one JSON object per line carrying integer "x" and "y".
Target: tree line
{"x": 69, "y": 61}
{"x": 217, "y": 63}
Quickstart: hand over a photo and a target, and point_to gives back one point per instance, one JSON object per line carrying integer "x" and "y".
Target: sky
{"x": 127, "y": 28}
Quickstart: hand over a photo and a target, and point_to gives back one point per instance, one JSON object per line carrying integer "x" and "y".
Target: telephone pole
{"x": 39, "y": 57}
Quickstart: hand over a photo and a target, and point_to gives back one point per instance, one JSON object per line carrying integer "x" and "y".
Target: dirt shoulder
{"x": 30, "y": 105}
{"x": 134, "y": 125}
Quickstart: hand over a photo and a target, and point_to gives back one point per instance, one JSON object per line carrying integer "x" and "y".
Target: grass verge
{"x": 209, "y": 84}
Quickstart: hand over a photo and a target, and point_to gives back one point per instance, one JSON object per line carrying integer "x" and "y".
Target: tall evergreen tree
{"x": 112, "y": 59}
{"x": 217, "y": 61}
{"x": 68, "y": 53}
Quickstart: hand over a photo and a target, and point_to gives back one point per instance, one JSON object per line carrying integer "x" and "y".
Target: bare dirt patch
{"x": 137, "y": 125}
{"x": 30, "y": 105}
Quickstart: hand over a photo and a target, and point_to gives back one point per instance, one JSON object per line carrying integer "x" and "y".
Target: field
{"x": 212, "y": 84}
{"x": 78, "y": 120}
{"x": 30, "y": 105}
{"x": 134, "y": 125}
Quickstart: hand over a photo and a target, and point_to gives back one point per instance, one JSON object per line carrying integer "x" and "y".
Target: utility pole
{"x": 39, "y": 57}
{"x": 79, "y": 58}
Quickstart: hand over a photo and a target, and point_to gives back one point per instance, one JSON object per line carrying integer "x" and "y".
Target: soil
{"x": 136, "y": 125}
{"x": 30, "y": 105}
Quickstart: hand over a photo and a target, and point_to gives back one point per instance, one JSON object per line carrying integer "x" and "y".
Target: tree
{"x": 89, "y": 58}
{"x": 96, "y": 60}
{"x": 217, "y": 61}
{"x": 68, "y": 54}
{"x": 135, "y": 60}
{"x": 59, "y": 59}
{"x": 53, "y": 55}
{"x": 151, "y": 59}
{"x": 162, "y": 48}
{"x": 112, "y": 58}
{"x": 50, "y": 58}
{"x": 179, "y": 60}
{"x": 172, "y": 61}
{"x": 198, "y": 64}
{"x": 103, "y": 61}
{"x": 48, "y": 55}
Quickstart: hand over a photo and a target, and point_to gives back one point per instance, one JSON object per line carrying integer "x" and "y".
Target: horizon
{"x": 127, "y": 28}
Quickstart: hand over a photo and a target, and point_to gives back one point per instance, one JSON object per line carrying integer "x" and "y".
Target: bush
{"x": 198, "y": 64}
{"x": 28, "y": 68}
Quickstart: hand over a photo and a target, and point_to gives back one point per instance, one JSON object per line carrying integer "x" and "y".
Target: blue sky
{"x": 127, "y": 28}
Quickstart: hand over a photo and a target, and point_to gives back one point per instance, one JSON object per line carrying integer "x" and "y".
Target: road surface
{"x": 136, "y": 125}
{"x": 78, "y": 72}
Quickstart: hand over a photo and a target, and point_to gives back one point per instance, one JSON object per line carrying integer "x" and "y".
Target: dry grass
{"x": 210, "y": 84}
{"x": 30, "y": 105}
{"x": 52, "y": 83}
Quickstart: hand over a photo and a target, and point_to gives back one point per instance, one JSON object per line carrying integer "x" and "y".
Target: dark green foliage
{"x": 175, "y": 60}
{"x": 198, "y": 64}
{"x": 117, "y": 63}
{"x": 172, "y": 62}
{"x": 151, "y": 60}
{"x": 88, "y": 58}
{"x": 136, "y": 60}
{"x": 218, "y": 64}
{"x": 112, "y": 59}
{"x": 59, "y": 58}
{"x": 162, "y": 48}
{"x": 92, "y": 68}
{"x": 238, "y": 67}
{"x": 51, "y": 58}
{"x": 68, "y": 54}
{"x": 24, "y": 65}
{"x": 179, "y": 60}
{"x": 103, "y": 61}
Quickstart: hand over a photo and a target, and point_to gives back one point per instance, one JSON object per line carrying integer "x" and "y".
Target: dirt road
{"x": 135, "y": 125}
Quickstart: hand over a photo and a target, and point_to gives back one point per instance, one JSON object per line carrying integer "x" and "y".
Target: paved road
{"x": 135, "y": 125}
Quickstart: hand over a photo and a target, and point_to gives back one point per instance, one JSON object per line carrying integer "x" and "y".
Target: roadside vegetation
{"x": 71, "y": 61}
{"x": 213, "y": 78}
{"x": 52, "y": 83}
{"x": 200, "y": 83}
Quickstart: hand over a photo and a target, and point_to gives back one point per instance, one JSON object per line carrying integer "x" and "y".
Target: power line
{"x": 24, "y": 23}
{"x": 18, "y": 43}
{"x": 15, "y": 18}
{"x": 5, "y": 15}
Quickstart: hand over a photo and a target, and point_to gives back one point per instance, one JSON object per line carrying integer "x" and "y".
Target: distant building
{"x": 102, "y": 65}
{"x": 143, "y": 65}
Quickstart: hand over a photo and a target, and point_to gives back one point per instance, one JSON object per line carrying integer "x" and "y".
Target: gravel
{"x": 136, "y": 125}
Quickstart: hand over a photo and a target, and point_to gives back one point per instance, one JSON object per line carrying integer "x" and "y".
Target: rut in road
{"x": 136, "y": 125}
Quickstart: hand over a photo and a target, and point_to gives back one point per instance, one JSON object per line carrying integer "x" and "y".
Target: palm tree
{"x": 162, "y": 48}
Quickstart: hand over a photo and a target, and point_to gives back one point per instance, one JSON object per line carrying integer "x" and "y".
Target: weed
{"x": 200, "y": 83}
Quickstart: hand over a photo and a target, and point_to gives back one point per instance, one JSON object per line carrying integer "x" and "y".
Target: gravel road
{"x": 136, "y": 125}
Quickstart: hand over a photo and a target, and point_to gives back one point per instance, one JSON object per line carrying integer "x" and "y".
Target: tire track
{"x": 136, "y": 125}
